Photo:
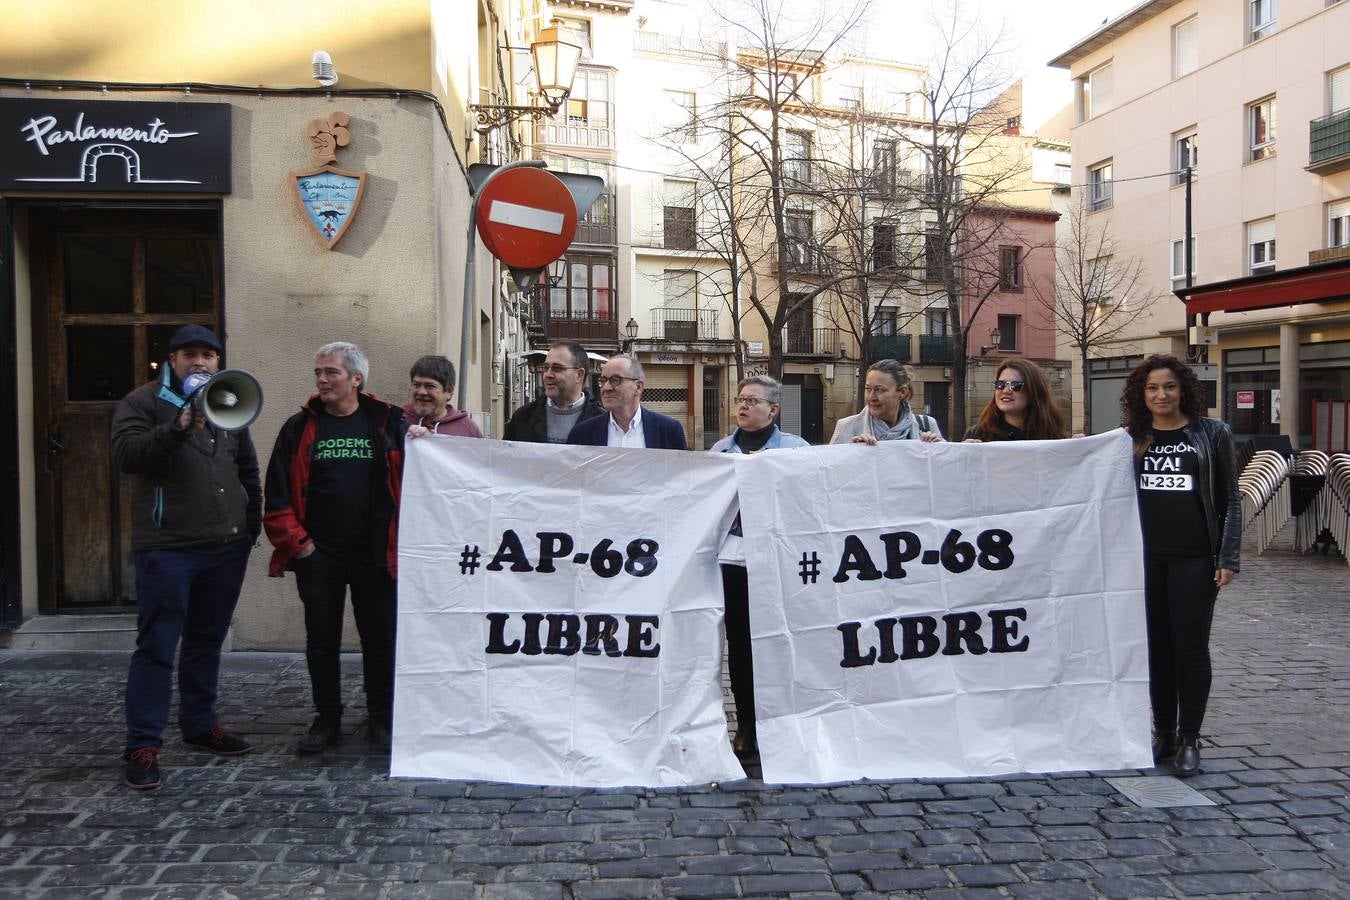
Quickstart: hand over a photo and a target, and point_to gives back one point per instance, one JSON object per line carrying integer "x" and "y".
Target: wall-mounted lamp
{"x": 557, "y": 271}
{"x": 631, "y": 329}
{"x": 324, "y": 73}
{"x": 555, "y": 66}
{"x": 994, "y": 337}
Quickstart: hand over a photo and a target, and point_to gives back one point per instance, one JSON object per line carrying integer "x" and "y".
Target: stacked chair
{"x": 1336, "y": 496}
{"x": 1264, "y": 486}
{"x": 1310, "y": 500}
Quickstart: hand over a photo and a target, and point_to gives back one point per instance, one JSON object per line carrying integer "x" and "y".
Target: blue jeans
{"x": 188, "y": 594}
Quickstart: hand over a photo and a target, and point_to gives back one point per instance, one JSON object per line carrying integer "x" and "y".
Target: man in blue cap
{"x": 196, "y": 511}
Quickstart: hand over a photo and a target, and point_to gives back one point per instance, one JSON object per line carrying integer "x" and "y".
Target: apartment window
{"x": 1063, "y": 173}
{"x": 934, "y": 255}
{"x": 588, "y": 104}
{"x": 586, "y": 289}
{"x": 883, "y": 167}
{"x": 1338, "y": 224}
{"x": 1261, "y": 129}
{"x": 1261, "y": 246}
{"x": 1007, "y": 333}
{"x": 1185, "y": 47}
{"x": 1099, "y": 288}
{"x": 684, "y": 116}
{"x": 1099, "y": 186}
{"x": 883, "y": 247}
{"x": 799, "y": 237}
{"x": 679, "y": 219}
{"x": 1179, "y": 262}
{"x": 1098, "y": 91}
{"x": 680, "y": 288}
{"x": 883, "y": 322}
{"x": 935, "y": 321}
{"x": 1338, "y": 90}
{"x": 1010, "y": 268}
{"x": 1260, "y": 18}
{"x": 797, "y": 156}
{"x": 577, "y": 31}
{"x": 1185, "y": 154}
{"x": 602, "y": 210}
{"x": 851, "y": 97}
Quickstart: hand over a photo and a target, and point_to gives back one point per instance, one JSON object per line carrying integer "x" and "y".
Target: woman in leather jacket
{"x": 1186, "y": 479}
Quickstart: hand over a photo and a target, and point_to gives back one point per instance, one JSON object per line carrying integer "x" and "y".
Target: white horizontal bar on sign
{"x": 529, "y": 217}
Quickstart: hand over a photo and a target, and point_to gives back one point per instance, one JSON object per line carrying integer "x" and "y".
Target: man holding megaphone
{"x": 196, "y": 511}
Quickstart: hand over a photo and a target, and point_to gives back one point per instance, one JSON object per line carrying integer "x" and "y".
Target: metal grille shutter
{"x": 667, "y": 392}
{"x": 790, "y": 413}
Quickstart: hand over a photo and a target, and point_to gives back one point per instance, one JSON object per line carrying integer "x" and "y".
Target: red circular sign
{"x": 526, "y": 217}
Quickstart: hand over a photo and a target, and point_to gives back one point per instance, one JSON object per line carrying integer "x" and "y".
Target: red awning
{"x": 1321, "y": 283}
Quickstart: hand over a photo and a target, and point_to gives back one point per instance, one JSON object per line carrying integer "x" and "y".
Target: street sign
{"x": 526, "y": 217}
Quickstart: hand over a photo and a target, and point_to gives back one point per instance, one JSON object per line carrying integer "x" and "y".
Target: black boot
{"x": 1188, "y": 758}
{"x": 1164, "y": 747}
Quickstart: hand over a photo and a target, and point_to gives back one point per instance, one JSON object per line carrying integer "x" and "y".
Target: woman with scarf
{"x": 887, "y": 416}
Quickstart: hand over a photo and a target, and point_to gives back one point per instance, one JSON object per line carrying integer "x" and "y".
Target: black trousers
{"x": 736, "y": 600}
{"x": 323, "y": 580}
{"x": 1179, "y": 595}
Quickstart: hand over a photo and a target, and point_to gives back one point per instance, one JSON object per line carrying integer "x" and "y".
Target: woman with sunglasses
{"x": 1190, "y": 510}
{"x": 758, "y": 400}
{"x": 1022, "y": 408}
{"x": 887, "y": 415}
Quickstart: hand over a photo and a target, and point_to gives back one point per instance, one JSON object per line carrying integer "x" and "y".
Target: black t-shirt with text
{"x": 1169, "y": 500}
{"x": 341, "y": 478}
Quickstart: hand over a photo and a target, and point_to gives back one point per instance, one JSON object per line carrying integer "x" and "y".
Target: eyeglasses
{"x": 1015, "y": 385}
{"x": 616, "y": 380}
{"x": 751, "y": 401}
{"x": 556, "y": 369}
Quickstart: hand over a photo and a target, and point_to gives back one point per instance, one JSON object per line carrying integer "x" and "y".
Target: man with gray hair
{"x": 628, "y": 424}
{"x": 331, "y": 506}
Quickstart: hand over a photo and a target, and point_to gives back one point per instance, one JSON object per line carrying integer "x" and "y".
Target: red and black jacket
{"x": 288, "y": 481}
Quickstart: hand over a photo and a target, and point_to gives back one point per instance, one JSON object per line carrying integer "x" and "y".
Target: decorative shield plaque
{"x": 327, "y": 195}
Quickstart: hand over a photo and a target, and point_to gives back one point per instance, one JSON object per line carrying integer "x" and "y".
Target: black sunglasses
{"x": 1015, "y": 385}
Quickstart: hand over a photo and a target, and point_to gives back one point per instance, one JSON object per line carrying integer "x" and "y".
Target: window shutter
{"x": 1102, "y": 88}
{"x": 1339, "y": 89}
{"x": 1339, "y": 209}
{"x": 1260, "y": 232}
{"x": 1187, "y": 49}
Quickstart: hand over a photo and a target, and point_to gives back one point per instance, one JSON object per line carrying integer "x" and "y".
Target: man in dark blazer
{"x": 627, "y": 423}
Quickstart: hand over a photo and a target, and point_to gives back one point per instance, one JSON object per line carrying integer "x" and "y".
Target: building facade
{"x": 165, "y": 174}
{"x": 1253, "y": 98}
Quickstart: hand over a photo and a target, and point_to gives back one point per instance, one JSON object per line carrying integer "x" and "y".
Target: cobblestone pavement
{"x": 276, "y": 825}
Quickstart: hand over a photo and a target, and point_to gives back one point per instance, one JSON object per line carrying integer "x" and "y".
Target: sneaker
{"x": 142, "y": 768}
{"x": 322, "y": 734}
{"x": 377, "y": 733}
{"x": 220, "y": 742}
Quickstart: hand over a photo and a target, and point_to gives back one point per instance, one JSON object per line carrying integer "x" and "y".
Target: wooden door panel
{"x": 86, "y": 510}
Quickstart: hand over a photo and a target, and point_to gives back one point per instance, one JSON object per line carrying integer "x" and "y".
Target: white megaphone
{"x": 230, "y": 400}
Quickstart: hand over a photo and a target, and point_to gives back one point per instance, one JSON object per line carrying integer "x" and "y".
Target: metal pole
{"x": 466, "y": 325}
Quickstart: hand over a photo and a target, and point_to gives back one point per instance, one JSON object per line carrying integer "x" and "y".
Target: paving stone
{"x": 894, "y": 880}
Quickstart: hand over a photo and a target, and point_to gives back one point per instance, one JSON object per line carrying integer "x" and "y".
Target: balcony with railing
{"x": 684, "y": 325}
{"x": 678, "y": 45}
{"x": 937, "y": 348}
{"x": 812, "y": 342}
{"x": 601, "y": 231}
{"x": 889, "y": 346}
{"x": 1329, "y": 143}
{"x": 1328, "y": 254}
{"x": 575, "y": 131}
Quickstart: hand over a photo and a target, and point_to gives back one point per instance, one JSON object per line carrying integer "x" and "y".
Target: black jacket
{"x": 1213, "y": 442}
{"x": 192, "y": 488}
{"x": 530, "y": 422}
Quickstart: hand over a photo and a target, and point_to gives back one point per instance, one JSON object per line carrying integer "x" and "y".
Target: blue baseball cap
{"x": 195, "y": 334}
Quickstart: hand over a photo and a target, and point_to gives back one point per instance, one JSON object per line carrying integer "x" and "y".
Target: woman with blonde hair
{"x": 887, "y": 415}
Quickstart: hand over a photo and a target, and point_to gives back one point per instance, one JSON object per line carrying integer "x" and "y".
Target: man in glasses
{"x": 549, "y": 419}
{"x": 628, "y": 424}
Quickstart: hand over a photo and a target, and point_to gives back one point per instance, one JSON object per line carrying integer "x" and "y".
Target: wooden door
{"x": 116, "y": 285}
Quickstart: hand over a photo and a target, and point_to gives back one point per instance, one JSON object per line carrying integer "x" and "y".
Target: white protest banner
{"x": 946, "y": 609}
{"x": 560, "y": 615}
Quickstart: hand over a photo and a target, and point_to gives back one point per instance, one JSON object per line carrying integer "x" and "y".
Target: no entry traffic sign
{"x": 526, "y": 217}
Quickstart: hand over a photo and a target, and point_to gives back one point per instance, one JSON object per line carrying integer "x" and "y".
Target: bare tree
{"x": 1099, "y": 294}
{"x": 970, "y": 166}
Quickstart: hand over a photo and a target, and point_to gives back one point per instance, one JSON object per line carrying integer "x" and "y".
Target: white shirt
{"x": 633, "y": 437}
